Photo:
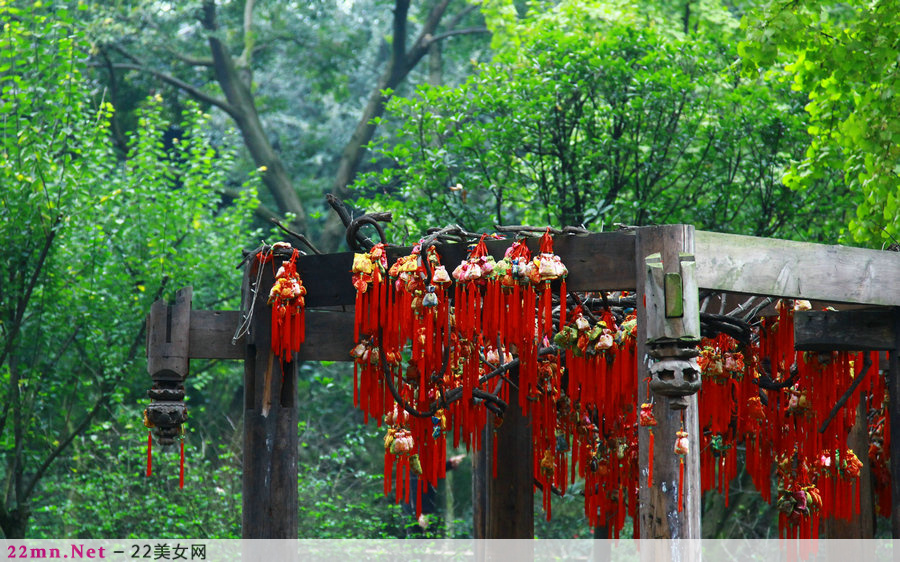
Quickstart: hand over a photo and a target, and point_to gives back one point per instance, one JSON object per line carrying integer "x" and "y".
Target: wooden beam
{"x": 329, "y": 335}
{"x": 270, "y": 430}
{"x": 211, "y": 333}
{"x": 766, "y": 266}
{"x": 599, "y": 261}
{"x": 660, "y": 517}
{"x": 848, "y": 330}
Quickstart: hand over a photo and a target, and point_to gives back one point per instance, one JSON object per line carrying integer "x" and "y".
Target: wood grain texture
{"x": 270, "y": 432}
{"x": 600, "y": 261}
{"x": 511, "y": 494}
{"x": 659, "y": 514}
{"x": 767, "y": 266}
{"x": 167, "y": 337}
{"x": 211, "y": 333}
{"x": 847, "y": 330}
{"x": 329, "y": 335}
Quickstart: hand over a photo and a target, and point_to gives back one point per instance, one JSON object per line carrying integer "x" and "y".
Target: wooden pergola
{"x": 596, "y": 262}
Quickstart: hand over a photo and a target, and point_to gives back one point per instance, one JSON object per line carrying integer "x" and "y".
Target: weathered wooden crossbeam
{"x": 725, "y": 262}
{"x": 600, "y": 261}
{"x": 849, "y": 330}
{"x": 329, "y": 335}
{"x": 781, "y": 268}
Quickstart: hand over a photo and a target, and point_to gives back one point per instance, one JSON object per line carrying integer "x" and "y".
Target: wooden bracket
{"x": 168, "y": 342}
{"x": 672, "y": 299}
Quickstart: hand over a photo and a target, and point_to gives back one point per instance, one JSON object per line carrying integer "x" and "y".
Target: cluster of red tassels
{"x": 599, "y": 417}
{"x": 287, "y": 299}
{"x": 817, "y": 473}
{"x": 400, "y": 310}
{"x": 582, "y": 396}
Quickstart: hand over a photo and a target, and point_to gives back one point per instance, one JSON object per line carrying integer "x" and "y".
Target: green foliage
{"x": 106, "y": 494}
{"x": 595, "y": 122}
{"x": 842, "y": 55}
{"x": 341, "y": 460}
{"x": 90, "y": 242}
{"x": 311, "y": 65}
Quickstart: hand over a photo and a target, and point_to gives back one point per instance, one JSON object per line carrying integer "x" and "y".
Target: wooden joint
{"x": 168, "y": 329}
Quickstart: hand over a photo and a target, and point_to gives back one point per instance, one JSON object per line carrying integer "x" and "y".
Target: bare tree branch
{"x": 180, "y": 84}
{"x": 467, "y": 31}
{"x": 189, "y": 60}
{"x": 245, "y": 114}
{"x": 402, "y": 62}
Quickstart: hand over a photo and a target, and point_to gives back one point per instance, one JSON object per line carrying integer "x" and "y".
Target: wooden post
{"x": 660, "y": 517}
{"x": 862, "y": 524}
{"x": 168, "y": 330}
{"x": 893, "y": 380}
{"x": 504, "y": 506}
{"x": 481, "y": 472}
{"x": 168, "y": 362}
{"x": 511, "y": 493}
{"x": 270, "y": 426}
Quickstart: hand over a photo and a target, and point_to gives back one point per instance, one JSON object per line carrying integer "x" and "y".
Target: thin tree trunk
{"x": 242, "y": 108}
{"x": 402, "y": 62}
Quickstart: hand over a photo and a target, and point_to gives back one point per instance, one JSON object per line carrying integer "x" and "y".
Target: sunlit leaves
{"x": 595, "y": 123}
{"x": 843, "y": 55}
{"x": 90, "y": 240}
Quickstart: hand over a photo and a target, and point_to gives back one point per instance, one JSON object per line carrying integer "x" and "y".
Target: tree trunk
{"x": 402, "y": 62}
{"x": 242, "y": 108}
{"x": 14, "y": 523}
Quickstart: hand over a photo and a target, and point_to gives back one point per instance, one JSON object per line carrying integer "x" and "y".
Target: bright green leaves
{"x": 844, "y": 57}
{"x": 90, "y": 239}
{"x": 596, "y": 123}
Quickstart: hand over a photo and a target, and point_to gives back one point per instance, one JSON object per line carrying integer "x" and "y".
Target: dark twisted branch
{"x": 765, "y": 381}
{"x": 303, "y": 239}
{"x": 585, "y": 309}
{"x": 518, "y": 228}
{"x": 356, "y": 241}
{"x": 492, "y": 402}
{"x": 359, "y": 243}
{"x": 867, "y": 362}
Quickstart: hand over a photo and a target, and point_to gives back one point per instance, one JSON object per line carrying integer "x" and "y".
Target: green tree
{"x": 90, "y": 241}
{"x": 843, "y": 56}
{"x": 597, "y": 116}
{"x": 303, "y": 82}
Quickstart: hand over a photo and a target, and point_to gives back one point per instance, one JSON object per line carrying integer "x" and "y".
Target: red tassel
{"x": 548, "y": 310}
{"x": 562, "y": 304}
{"x": 650, "y": 463}
{"x": 388, "y": 469}
{"x": 680, "y": 484}
{"x": 181, "y": 465}
{"x": 357, "y": 316}
{"x": 149, "y": 453}
{"x": 406, "y": 478}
